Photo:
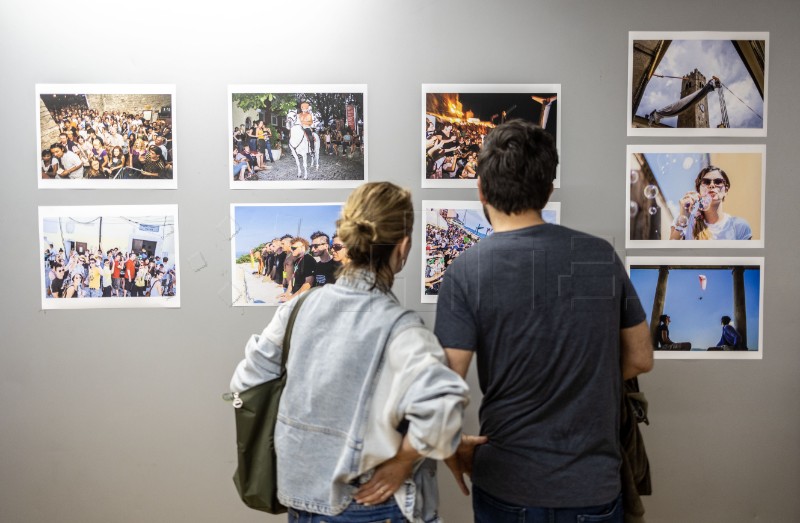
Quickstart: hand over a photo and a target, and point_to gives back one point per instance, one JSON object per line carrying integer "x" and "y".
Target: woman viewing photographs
{"x": 366, "y": 370}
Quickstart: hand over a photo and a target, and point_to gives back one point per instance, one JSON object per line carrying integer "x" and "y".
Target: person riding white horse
{"x": 302, "y": 139}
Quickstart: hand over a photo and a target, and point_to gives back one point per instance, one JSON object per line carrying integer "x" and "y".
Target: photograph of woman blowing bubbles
{"x": 368, "y": 392}
{"x": 709, "y": 221}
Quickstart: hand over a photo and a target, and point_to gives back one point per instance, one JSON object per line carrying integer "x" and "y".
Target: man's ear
{"x": 480, "y": 192}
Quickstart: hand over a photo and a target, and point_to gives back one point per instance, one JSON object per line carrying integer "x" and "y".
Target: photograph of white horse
{"x": 297, "y": 136}
{"x": 299, "y": 144}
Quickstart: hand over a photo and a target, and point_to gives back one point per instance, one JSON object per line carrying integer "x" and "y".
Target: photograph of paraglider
{"x": 697, "y": 83}
{"x": 702, "y": 308}
{"x": 456, "y": 119}
{"x": 709, "y": 195}
{"x": 297, "y": 136}
{"x": 451, "y": 227}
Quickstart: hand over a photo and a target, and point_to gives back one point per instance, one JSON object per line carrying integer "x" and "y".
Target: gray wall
{"x": 115, "y": 415}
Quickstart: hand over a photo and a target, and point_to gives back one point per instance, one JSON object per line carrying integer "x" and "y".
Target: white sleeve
{"x": 262, "y": 354}
{"x": 426, "y": 392}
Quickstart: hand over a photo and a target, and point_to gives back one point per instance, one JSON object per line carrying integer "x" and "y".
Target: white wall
{"x": 115, "y": 415}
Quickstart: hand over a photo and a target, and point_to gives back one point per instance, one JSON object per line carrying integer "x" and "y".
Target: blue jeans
{"x": 387, "y": 512}
{"x": 489, "y": 509}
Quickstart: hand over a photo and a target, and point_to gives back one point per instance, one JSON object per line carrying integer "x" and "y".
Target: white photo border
{"x": 111, "y": 210}
{"x": 297, "y": 88}
{"x": 234, "y": 231}
{"x": 108, "y": 89}
{"x": 711, "y": 263}
{"x": 695, "y": 35}
{"x": 484, "y": 88}
{"x": 694, "y": 148}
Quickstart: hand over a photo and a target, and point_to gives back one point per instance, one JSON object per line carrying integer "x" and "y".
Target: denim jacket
{"x": 360, "y": 368}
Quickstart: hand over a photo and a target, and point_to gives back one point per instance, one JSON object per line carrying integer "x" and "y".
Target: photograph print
{"x": 702, "y": 308}
{"x": 709, "y": 195}
{"x": 457, "y": 118}
{"x": 106, "y": 136}
{"x": 279, "y": 251}
{"x": 109, "y": 257}
{"x": 451, "y": 227}
{"x": 697, "y": 84}
{"x": 297, "y": 136}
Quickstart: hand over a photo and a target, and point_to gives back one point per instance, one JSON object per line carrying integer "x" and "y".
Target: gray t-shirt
{"x": 542, "y": 308}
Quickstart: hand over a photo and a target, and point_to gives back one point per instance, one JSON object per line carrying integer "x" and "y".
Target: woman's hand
{"x": 688, "y": 200}
{"x": 389, "y": 476}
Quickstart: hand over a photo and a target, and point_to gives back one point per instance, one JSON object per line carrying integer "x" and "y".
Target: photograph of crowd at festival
{"x": 102, "y": 137}
{"x": 281, "y": 251}
{"x": 456, "y": 124}
{"x": 297, "y": 137}
{"x": 118, "y": 258}
{"x": 452, "y": 227}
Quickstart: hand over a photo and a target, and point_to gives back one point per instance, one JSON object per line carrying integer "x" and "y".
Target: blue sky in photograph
{"x": 260, "y": 223}
{"x": 694, "y": 319}
{"x": 675, "y": 174}
{"x": 712, "y": 58}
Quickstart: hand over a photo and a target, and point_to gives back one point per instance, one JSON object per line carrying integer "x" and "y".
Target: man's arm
{"x": 636, "y": 350}
{"x": 459, "y": 360}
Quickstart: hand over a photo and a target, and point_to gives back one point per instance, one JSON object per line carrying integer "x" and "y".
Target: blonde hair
{"x": 375, "y": 218}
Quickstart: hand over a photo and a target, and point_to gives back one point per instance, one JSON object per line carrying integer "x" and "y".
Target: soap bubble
{"x": 688, "y": 162}
{"x": 682, "y": 221}
{"x": 650, "y": 192}
{"x": 704, "y": 203}
{"x": 634, "y": 176}
{"x": 652, "y": 210}
{"x": 634, "y": 209}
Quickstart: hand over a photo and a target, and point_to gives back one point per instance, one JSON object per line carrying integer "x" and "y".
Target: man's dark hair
{"x": 287, "y": 236}
{"x": 56, "y": 146}
{"x": 725, "y": 320}
{"x": 517, "y": 166}
{"x": 663, "y": 318}
{"x": 320, "y": 234}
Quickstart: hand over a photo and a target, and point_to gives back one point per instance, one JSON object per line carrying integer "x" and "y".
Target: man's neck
{"x": 502, "y": 222}
{"x": 325, "y": 257}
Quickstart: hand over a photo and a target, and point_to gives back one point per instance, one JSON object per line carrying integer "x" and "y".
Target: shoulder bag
{"x": 256, "y": 476}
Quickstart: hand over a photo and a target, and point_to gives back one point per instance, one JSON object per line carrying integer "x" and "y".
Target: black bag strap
{"x": 287, "y": 338}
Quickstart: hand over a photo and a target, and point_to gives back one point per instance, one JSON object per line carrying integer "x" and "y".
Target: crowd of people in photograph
{"x": 442, "y": 246}
{"x": 108, "y": 274}
{"x": 298, "y": 264}
{"x": 451, "y": 149}
{"x": 253, "y": 147}
{"x": 108, "y": 145}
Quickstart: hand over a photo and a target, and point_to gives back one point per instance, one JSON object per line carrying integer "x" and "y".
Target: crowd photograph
{"x": 701, "y": 307}
{"x": 452, "y": 227}
{"x": 105, "y": 140}
{"x": 313, "y": 138}
{"x": 457, "y": 119}
{"x": 449, "y": 229}
{"x": 110, "y": 257}
{"x": 712, "y": 196}
{"x": 281, "y": 251}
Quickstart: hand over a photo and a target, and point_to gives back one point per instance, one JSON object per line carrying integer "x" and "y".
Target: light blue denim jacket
{"x": 323, "y": 436}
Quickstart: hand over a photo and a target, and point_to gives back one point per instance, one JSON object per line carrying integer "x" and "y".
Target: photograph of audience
{"x": 124, "y": 255}
{"x": 311, "y": 138}
{"x": 452, "y": 227}
{"x": 129, "y": 135}
{"x": 457, "y": 120}
{"x": 281, "y": 251}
